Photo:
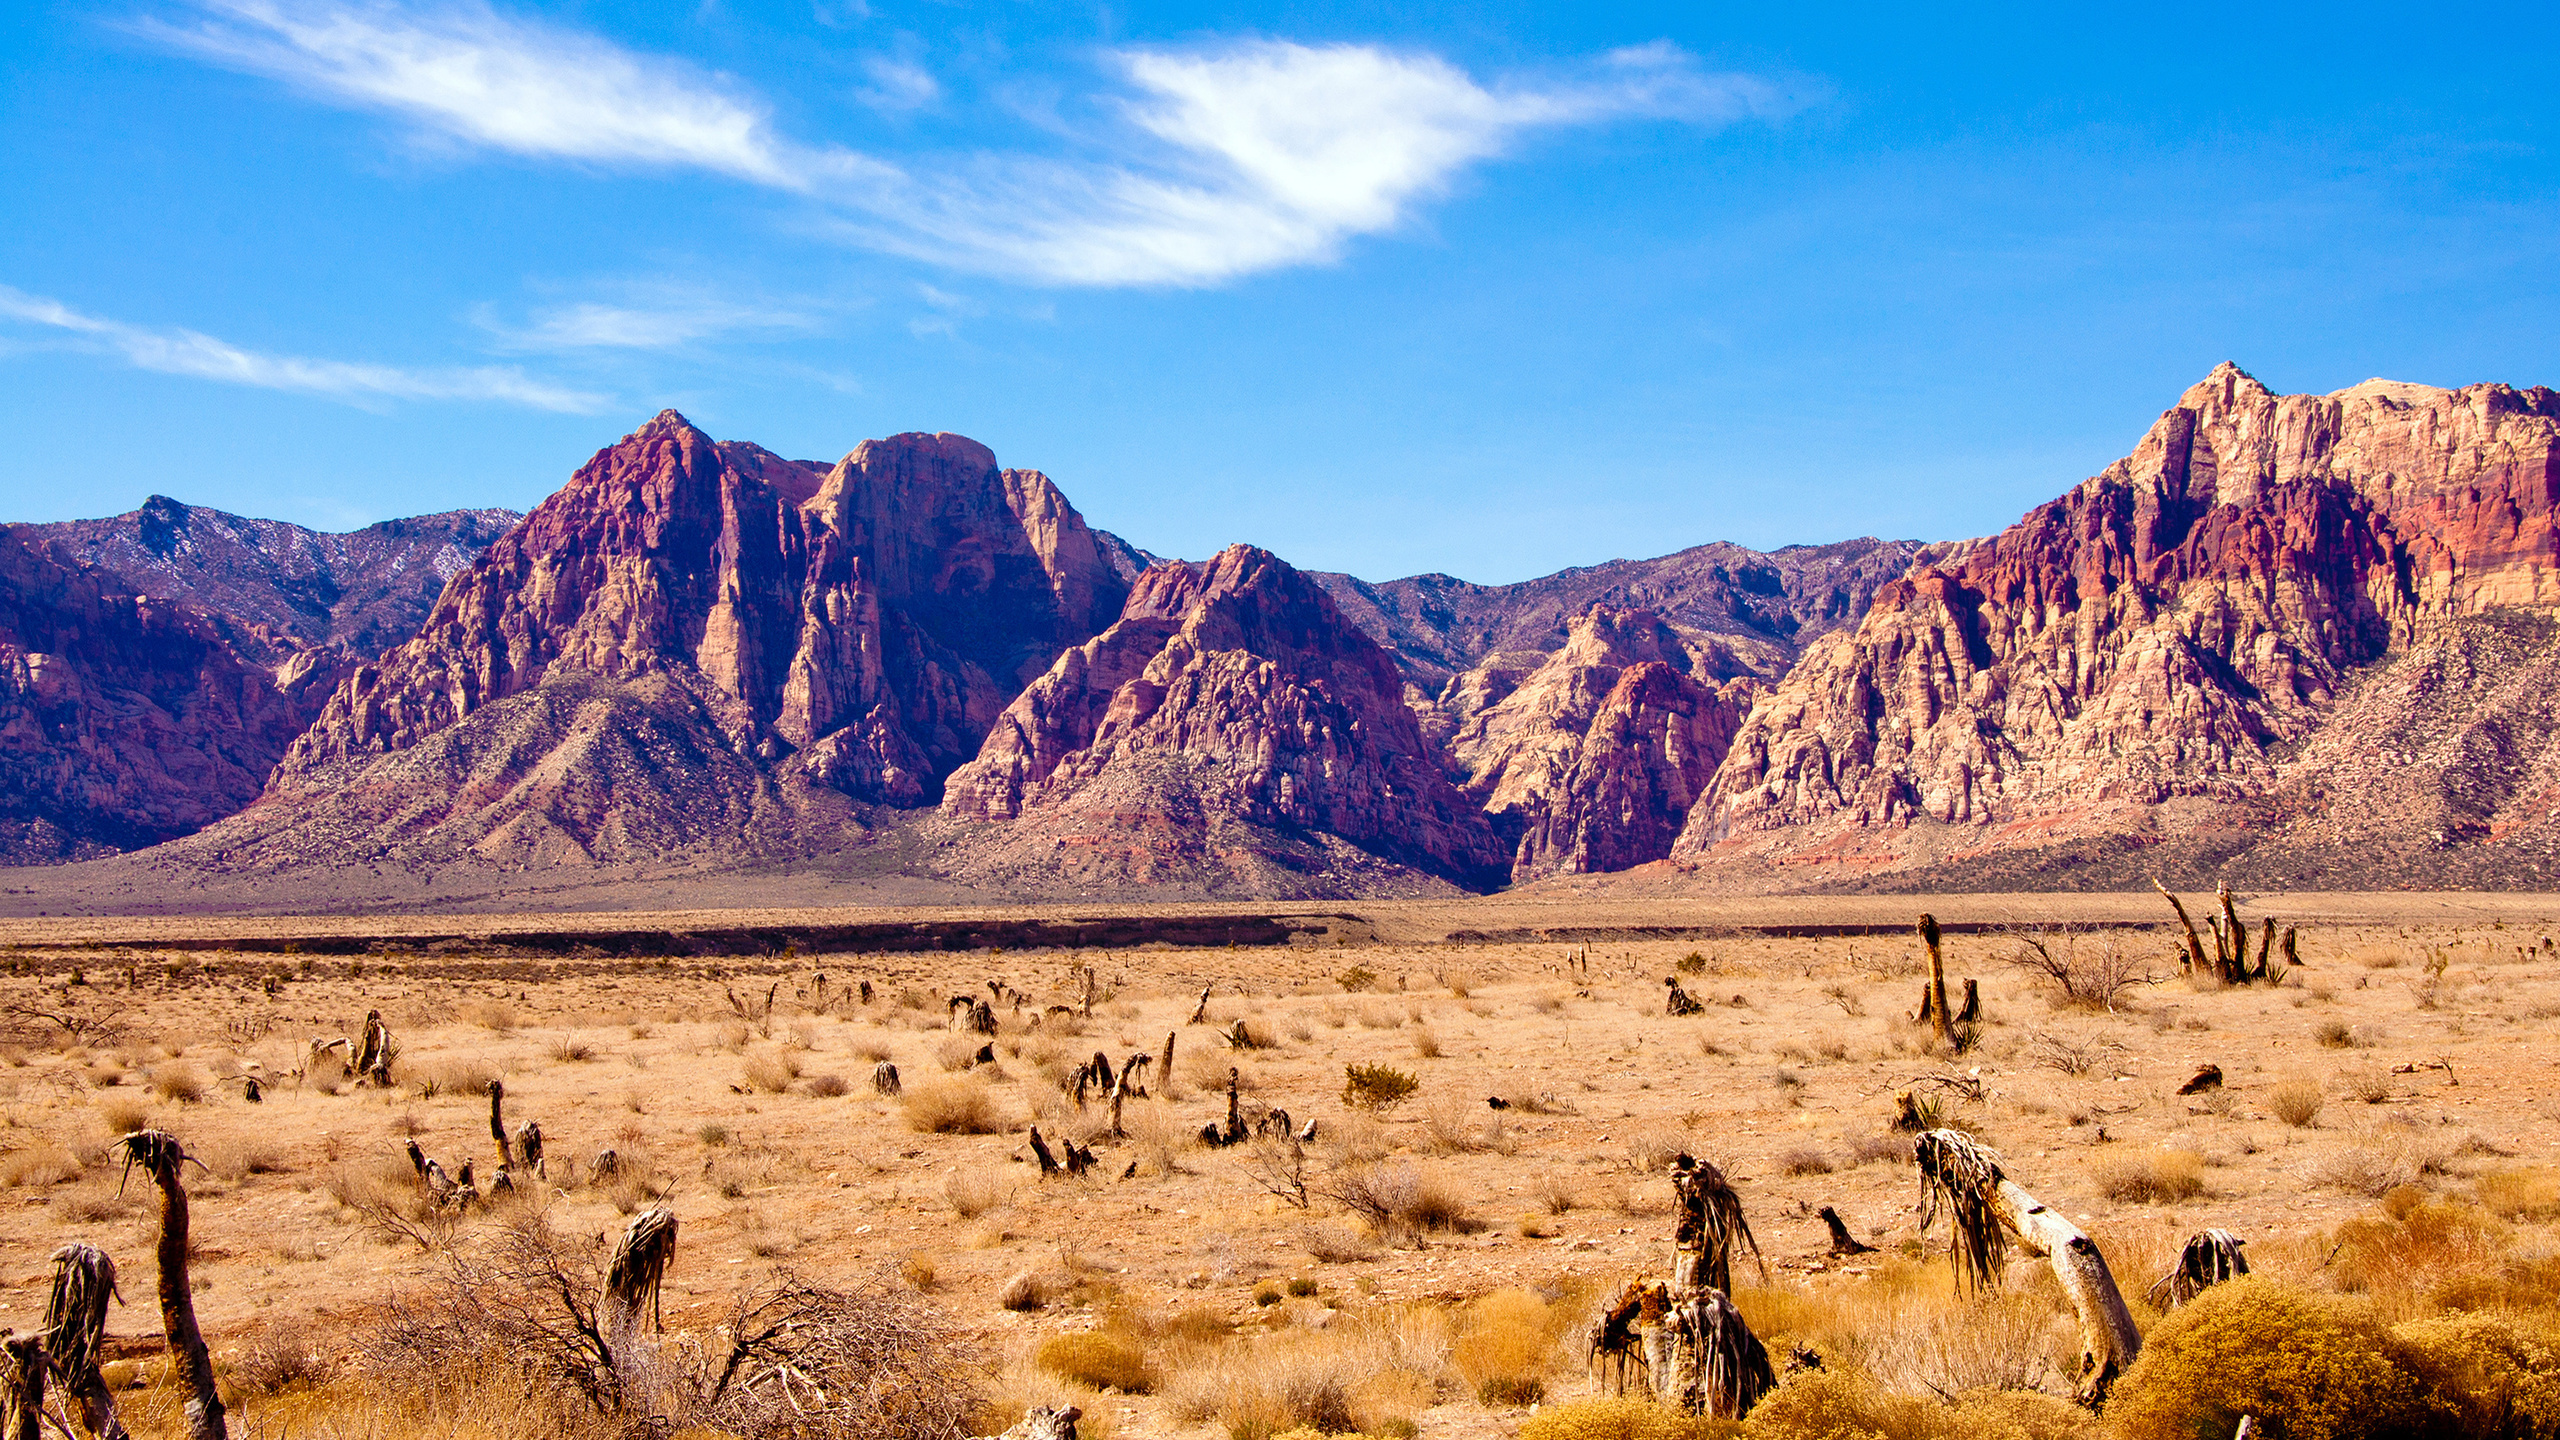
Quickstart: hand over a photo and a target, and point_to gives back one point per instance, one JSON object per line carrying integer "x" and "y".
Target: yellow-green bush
{"x": 1505, "y": 1341}
{"x": 2489, "y": 1377}
{"x": 1845, "y": 1405}
{"x": 2309, "y": 1367}
{"x": 1103, "y": 1361}
{"x": 1621, "y": 1419}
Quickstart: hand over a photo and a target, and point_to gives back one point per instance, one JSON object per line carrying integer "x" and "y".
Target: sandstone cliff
{"x": 2164, "y": 633}
{"x": 695, "y": 649}
{"x": 868, "y": 623}
{"x": 1592, "y": 761}
{"x": 363, "y": 591}
{"x": 1230, "y": 703}
{"x": 125, "y": 720}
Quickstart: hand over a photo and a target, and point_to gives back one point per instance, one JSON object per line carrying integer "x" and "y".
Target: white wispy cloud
{"x": 514, "y": 85}
{"x": 189, "y": 352}
{"x": 1223, "y": 161}
{"x": 644, "y": 318}
{"x": 897, "y": 85}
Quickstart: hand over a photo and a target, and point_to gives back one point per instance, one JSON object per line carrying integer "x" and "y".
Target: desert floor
{"x": 2422, "y": 1025}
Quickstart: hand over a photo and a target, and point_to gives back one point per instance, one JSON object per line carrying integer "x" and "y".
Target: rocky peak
{"x": 2162, "y": 633}
{"x": 1229, "y": 692}
{"x": 1594, "y": 759}
{"x": 860, "y": 628}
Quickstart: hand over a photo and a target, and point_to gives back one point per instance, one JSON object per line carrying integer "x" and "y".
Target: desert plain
{"x": 2382, "y": 1128}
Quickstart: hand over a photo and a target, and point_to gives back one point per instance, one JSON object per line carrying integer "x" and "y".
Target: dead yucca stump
{"x": 633, "y": 1276}
{"x": 162, "y": 1158}
{"x": 1961, "y": 1179}
{"x": 75, "y": 1327}
{"x": 1686, "y": 1339}
{"x": 2209, "y": 1258}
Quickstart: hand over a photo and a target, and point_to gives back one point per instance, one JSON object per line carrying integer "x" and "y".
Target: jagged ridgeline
{"x": 2302, "y": 640}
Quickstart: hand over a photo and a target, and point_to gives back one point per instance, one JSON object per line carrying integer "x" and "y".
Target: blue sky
{"x": 1490, "y": 289}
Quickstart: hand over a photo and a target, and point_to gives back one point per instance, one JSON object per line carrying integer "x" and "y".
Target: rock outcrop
{"x": 1592, "y": 761}
{"x": 1754, "y": 611}
{"x": 125, "y": 720}
{"x": 363, "y": 591}
{"x": 1231, "y": 699}
{"x": 870, "y": 622}
{"x": 702, "y": 646}
{"x": 2163, "y": 633}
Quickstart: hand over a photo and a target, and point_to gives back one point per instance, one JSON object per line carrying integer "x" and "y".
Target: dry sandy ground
{"x": 1788, "y": 1077}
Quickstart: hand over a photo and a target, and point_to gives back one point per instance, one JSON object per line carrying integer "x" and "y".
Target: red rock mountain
{"x": 2143, "y": 659}
{"x": 1229, "y": 706}
{"x": 126, "y": 720}
{"x": 363, "y": 591}
{"x": 699, "y": 646}
{"x": 2289, "y": 640}
{"x": 1593, "y": 760}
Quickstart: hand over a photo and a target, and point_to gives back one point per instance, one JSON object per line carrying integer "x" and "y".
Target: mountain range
{"x": 2302, "y": 640}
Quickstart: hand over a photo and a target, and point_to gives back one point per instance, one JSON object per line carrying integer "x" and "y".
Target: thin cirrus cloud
{"x": 1218, "y": 162}
{"x": 647, "y": 323}
{"x": 191, "y": 353}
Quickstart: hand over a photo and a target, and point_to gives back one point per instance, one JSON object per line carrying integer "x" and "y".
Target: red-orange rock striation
{"x": 1229, "y": 693}
{"x": 127, "y": 720}
{"x": 1592, "y": 761}
{"x": 2163, "y": 631}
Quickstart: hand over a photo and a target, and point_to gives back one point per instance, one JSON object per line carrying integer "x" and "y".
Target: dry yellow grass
{"x": 1599, "y": 1088}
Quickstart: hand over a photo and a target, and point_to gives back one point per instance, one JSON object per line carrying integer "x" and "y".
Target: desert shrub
{"x": 1846, "y": 1405}
{"x": 493, "y": 1015}
{"x": 1400, "y": 1199}
{"x": 1369, "y": 1374}
{"x": 568, "y": 1049}
{"x": 971, "y": 1193}
{"x": 450, "y": 1075}
{"x": 1101, "y": 1360}
{"x": 234, "y": 1157}
{"x": 2295, "y": 1102}
{"x": 2416, "y": 1245}
{"x": 42, "y": 1163}
{"x": 827, "y": 1087}
{"x": 2495, "y": 1377}
{"x": 123, "y": 1115}
{"x": 771, "y": 1072}
{"x": 179, "y": 1083}
{"x": 1426, "y": 1045}
{"x": 1302, "y": 1286}
{"x": 2380, "y": 1163}
{"x": 1618, "y": 1418}
{"x": 2157, "y": 1178}
{"x": 1357, "y": 978}
{"x": 792, "y": 1361}
{"x": 1504, "y": 1345}
{"x": 958, "y": 1105}
{"x": 1804, "y": 1160}
{"x": 2530, "y": 1192}
{"x": 1376, "y": 1088}
{"x": 276, "y": 1359}
{"x": 2308, "y": 1366}
{"x": 1028, "y": 1290}
{"x": 2336, "y": 1034}
{"x": 712, "y": 1133}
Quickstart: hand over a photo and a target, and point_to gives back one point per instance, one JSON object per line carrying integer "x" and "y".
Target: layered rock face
{"x": 853, "y": 631}
{"x": 1229, "y": 694}
{"x": 2164, "y": 631}
{"x": 1593, "y": 760}
{"x": 363, "y": 591}
{"x": 124, "y": 720}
